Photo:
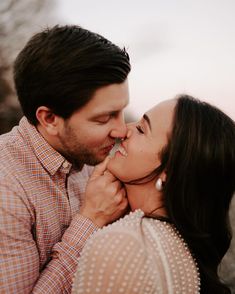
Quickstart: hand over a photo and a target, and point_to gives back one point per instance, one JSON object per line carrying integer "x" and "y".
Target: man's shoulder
{"x": 10, "y": 144}
{"x": 9, "y": 138}
{"x": 15, "y": 152}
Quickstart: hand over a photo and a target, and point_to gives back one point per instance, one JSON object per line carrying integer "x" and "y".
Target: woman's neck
{"x": 146, "y": 197}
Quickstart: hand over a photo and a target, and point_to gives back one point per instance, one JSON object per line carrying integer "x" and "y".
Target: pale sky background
{"x": 175, "y": 46}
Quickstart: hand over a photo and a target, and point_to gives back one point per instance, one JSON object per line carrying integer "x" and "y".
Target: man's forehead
{"x": 111, "y": 98}
{"x": 106, "y": 106}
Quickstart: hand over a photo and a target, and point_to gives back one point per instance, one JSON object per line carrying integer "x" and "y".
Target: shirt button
{"x": 65, "y": 164}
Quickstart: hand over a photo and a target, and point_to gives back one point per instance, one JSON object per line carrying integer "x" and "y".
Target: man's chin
{"x": 96, "y": 160}
{"x": 93, "y": 158}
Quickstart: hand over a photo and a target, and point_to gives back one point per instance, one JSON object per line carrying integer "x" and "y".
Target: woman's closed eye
{"x": 140, "y": 129}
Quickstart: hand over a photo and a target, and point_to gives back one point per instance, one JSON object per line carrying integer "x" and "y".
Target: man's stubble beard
{"x": 75, "y": 152}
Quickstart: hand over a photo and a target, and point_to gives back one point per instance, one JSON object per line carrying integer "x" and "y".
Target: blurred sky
{"x": 176, "y": 46}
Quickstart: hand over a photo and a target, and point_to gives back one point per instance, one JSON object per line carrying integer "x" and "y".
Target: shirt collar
{"x": 51, "y": 160}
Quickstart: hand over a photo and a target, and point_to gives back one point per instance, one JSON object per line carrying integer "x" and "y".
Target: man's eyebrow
{"x": 146, "y": 118}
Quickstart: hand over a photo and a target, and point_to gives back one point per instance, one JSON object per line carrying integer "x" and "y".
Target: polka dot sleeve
{"x": 113, "y": 262}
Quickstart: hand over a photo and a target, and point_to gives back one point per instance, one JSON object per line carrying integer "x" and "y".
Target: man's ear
{"x": 48, "y": 120}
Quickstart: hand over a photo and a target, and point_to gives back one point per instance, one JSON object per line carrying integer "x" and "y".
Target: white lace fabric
{"x": 136, "y": 255}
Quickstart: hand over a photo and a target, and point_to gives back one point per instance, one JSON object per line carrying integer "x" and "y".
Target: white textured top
{"x": 136, "y": 255}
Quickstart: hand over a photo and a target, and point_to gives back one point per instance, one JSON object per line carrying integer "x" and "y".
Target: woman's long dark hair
{"x": 200, "y": 165}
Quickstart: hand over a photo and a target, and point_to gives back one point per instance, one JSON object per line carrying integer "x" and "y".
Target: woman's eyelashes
{"x": 140, "y": 129}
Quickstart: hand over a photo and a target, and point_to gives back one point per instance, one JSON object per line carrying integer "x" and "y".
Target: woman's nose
{"x": 129, "y": 130}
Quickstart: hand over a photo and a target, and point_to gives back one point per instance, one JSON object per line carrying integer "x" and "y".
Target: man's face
{"x": 89, "y": 134}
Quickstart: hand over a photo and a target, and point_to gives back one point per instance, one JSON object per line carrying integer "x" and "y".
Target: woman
{"x": 178, "y": 168}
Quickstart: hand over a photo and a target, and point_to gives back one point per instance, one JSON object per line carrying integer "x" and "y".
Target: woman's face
{"x": 139, "y": 153}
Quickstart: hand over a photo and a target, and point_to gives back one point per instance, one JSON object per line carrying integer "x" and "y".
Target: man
{"x": 72, "y": 86}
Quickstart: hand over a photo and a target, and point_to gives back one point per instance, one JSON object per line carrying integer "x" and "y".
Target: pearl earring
{"x": 159, "y": 185}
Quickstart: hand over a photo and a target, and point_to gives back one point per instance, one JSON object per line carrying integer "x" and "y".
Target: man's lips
{"x": 108, "y": 148}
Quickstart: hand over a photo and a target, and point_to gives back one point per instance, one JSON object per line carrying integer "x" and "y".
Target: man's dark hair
{"x": 61, "y": 68}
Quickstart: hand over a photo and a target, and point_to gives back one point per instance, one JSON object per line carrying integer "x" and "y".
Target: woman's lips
{"x": 120, "y": 150}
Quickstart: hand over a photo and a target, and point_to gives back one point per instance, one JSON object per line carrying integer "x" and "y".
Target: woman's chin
{"x": 120, "y": 171}
{"x": 114, "y": 169}
{"x": 116, "y": 174}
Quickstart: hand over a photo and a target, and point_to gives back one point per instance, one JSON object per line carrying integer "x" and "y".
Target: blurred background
{"x": 175, "y": 46}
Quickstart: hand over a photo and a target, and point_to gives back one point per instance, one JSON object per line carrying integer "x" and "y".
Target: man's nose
{"x": 119, "y": 129}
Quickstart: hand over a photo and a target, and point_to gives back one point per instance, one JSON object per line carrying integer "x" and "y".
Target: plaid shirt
{"x": 41, "y": 232}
